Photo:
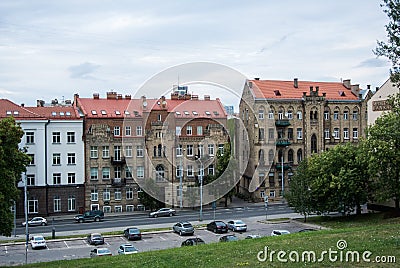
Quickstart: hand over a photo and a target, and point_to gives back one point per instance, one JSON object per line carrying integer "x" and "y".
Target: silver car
{"x": 163, "y": 212}
{"x": 237, "y": 225}
{"x": 183, "y": 227}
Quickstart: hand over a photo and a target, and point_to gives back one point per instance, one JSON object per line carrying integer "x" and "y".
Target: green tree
{"x": 391, "y": 48}
{"x": 383, "y": 145}
{"x": 147, "y": 199}
{"x": 13, "y": 162}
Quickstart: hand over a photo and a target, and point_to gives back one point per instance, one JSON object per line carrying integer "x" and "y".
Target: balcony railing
{"x": 118, "y": 182}
{"x": 286, "y": 166}
{"x": 282, "y": 123}
{"x": 118, "y": 161}
{"x": 283, "y": 142}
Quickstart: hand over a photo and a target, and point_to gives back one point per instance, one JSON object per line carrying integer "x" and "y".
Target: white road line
{"x": 65, "y": 242}
{"x": 162, "y": 238}
{"x": 6, "y": 249}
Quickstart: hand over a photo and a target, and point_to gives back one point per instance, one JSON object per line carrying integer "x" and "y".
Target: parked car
{"x": 127, "y": 249}
{"x": 95, "y": 239}
{"x": 184, "y": 227}
{"x": 192, "y": 242}
{"x": 132, "y": 233}
{"x": 38, "y": 241}
{"x": 228, "y": 238}
{"x": 98, "y": 252}
{"x": 162, "y": 212}
{"x": 237, "y": 225}
{"x": 253, "y": 236}
{"x": 279, "y": 232}
{"x": 91, "y": 215}
{"x": 36, "y": 221}
{"x": 217, "y": 227}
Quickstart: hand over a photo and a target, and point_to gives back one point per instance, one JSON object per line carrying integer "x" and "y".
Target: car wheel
{"x": 180, "y": 233}
{"x": 215, "y": 230}
{"x": 43, "y": 224}
{"x": 170, "y": 214}
{"x": 155, "y": 215}
{"x": 81, "y": 220}
{"x": 96, "y": 219}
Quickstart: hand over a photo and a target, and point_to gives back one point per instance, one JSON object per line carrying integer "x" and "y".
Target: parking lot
{"x": 12, "y": 254}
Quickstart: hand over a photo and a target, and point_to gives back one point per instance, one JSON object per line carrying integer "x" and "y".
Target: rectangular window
{"x": 128, "y": 131}
{"x": 271, "y": 134}
{"x": 30, "y": 179}
{"x": 117, "y": 131}
{"x": 336, "y": 115}
{"x": 271, "y": 114}
{"x": 32, "y": 159}
{"x": 117, "y": 194}
{"x": 33, "y": 205}
{"x": 280, "y": 115}
{"x": 71, "y": 178}
{"x": 94, "y": 195}
{"x": 93, "y": 152}
{"x": 129, "y": 193}
{"x": 211, "y": 169}
{"x": 200, "y": 150}
{"x": 345, "y": 115}
{"x": 179, "y": 172}
{"x": 326, "y": 115}
{"x": 56, "y": 178}
{"x": 327, "y": 134}
{"x": 299, "y": 133}
{"x": 189, "y": 130}
{"x": 139, "y": 151}
{"x": 56, "y": 159}
{"x": 71, "y": 158}
{"x": 106, "y": 209}
{"x": 260, "y": 114}
{"x": 117, "y": 172}
{"x": 57, "y": 204}
{"x": 261, "y": 135}
{"x": 221, "y": 149}
{"x": 290, "y": 115}
{"x": 70, "y": 137}
{"x": 106, "y": 151}
{"x": 199, "y": 130}
{"x": 355, "y": 133}
{"x": 139, "y": 131}
{"x": 56, "y": 137}
{"x": 140, "y": 172}
{"x": 189, "y": 150}
{"x": 117, "y": 153}
{"x": 346, "y": 133}
{"x": 129, "y": 208}
{"x": 30, "y": 137}
{"x": 299, "y": 115}
{"x": 128, "y": 172}
{"x": 71, "y": 203}
{"x": 290, "y": 133}
{"x": 355, "y": 115}
{"x": 190, "y": 171}
{"x": 94, "y": 173}
{"x": 179, "y": 150}
{"x": 178, "y": 131}
{"x": 336, "y": 134}
{"x": 118, "y": 209}
{"x": 106, "y": 195}
{"x": 105, "y": 173}
{"x": 211, "y": 149}
{"x": 128, "y": 150}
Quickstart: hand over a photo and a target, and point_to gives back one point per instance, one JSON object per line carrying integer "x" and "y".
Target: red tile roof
{"x": 56, "y": 112}
{"x": 9, "y": 108}
{"x": 275, "y": 89}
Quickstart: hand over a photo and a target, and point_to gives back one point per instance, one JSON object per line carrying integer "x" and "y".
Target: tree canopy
{"x": 13, "y": 162}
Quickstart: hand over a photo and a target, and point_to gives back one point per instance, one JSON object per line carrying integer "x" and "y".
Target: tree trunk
{"x": 305, "y": 217}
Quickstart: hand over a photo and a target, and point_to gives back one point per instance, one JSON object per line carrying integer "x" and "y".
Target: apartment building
{"x": 287, "y": 121}
{"x": 53, "y": 140}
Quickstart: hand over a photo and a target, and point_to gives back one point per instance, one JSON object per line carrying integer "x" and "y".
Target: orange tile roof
{"x": 9, "y": 108}
{"x": 275, "y": 89}
{"x": 56, "y": 112}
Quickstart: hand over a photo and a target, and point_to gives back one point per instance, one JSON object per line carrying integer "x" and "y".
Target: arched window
{"x": 313, "y": 143}
{"x": 159, "y": 150}
{"x": 155, "y": 151}
{"x": 299, "y": 155}
{"x": 290, "y": 156}
{"x": 159, "y": 172}
{"x": 261, "y": 156}
{"x": 271, "y": 156}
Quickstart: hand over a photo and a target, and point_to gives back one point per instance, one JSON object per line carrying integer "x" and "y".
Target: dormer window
{"x": 195, "y": 113}
{"x": 216, "y": 113}
{"x": 62, "y": 113}
{"x": 16, "y": 112}
{"x": 342, "y": 94}
{"x": 103, "y": 112}
{"x": 277, "y": 93}
{"x": 186, "y": 113}
{"x": 208, "y": 113}
{"x": 117, "y": 112}
{"x": 94, "y": 112}
{"x": 68, "y": 113}
{"x": 178, "y": 113}
{"x": 53, "y": 113}
{"x": 9, "y": 113}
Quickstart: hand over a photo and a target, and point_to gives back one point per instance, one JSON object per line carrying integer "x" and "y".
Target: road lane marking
{"x": 65, "y": 242}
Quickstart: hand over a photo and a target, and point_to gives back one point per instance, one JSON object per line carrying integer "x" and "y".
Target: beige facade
{"x": 286, "y": 123}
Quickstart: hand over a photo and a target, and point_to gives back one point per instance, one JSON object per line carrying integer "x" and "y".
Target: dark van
{"x": 91, "y": 215}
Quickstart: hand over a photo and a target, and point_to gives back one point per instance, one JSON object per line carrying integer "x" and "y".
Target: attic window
{"x": 178, "y": 113}
{"x": 103, "y": 112}
{"x": 62, "y": 113}
{"x": 208, "y": 113}
{"x": 277, "y": 93}
{"x": 117, "y": 112}
{"x": 53, "y": 113}
{"x": 136, "y": 113}
{"x": 94, "y": 112}
{"x": 16, "y": 112}
{"x": 342, "y": 93}
{"x": 186, "y": 112}
{"x": 68, "y": 113}
{"x": 126, "y": 112}
{"x": 9, "y": 113}
{"x": 195, "y": 113}
{"x": 216, "y": 113}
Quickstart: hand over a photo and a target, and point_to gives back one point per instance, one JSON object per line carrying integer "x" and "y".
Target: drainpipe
{"x": 45, "y": 167}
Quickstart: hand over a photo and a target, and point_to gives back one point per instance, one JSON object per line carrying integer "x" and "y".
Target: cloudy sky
{"x": 54, "y": 49}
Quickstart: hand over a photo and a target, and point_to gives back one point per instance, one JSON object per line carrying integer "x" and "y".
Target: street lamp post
{"x": 26, "y": 219}
{"x": 180, "y": 183}
{"x": 282, "y": 176}
{"x": 201, "y": 190}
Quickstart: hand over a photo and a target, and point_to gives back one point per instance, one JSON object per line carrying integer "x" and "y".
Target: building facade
{"x": 287, "y": 121}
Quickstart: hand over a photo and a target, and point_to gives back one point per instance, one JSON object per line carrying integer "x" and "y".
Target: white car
{"x": 237, "y": 225}
{"x": 127, "y": 249}
{"x": 38, "y": 241}
{"x": 36, "y": 221}
{"x": 279, "y": 232}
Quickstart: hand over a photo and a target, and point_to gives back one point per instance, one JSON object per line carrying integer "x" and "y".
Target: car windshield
{"x": 232, "y": 238}
{"x": 238, "y": 222}
{"x": 96, "y": 236}
{"x": 134, "y": 231}
{"x": 130, "y": 249}
{"x": 187, "y": 225}
{"x": 38, "y": 238}
{"x": 219, "y": 223}
{"x": 103, "y": 251}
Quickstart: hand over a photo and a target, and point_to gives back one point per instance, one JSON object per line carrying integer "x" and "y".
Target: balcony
{"x": 118, "y": 182}
{"x": 282, "y": 123}
{"x": 118, "y": 161}
{"x": 286, "y": 166}
{"x": 283, "y": 143}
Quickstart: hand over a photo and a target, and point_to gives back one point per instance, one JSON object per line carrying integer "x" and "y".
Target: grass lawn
{"x": 366, "y": 233}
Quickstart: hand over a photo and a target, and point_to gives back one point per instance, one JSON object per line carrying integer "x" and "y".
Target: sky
{"x": 54, "y": 49}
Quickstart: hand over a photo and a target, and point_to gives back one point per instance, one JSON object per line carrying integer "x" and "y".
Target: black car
{"x": 95, "y": 239}
{"x": 192, "y": 242}
{"x": 228, "y": 238}
{"x": 217, "y": 227}
{"x": 133, "y": 233}
{"x": 91, "y": 215}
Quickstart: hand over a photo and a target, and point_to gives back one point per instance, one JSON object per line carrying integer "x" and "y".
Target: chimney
{"x": 128, "y": 97}
{"x": 296, "y": 82}
{"x": 119, "y": 96}
{"x": 206, "y": 97}
{"x": 111, "y": 95}
{"x": 22, "y": 104}
{"x": 311, "y": 89}
{"x": 257, "y": 78}
{"x": 250, "y": 84}
{"x": 347, "y": 83}
{"x": 317, "y": 89}
{"x": 355, "y": 89}
{"x": 144, "y": 102}
{"x": 40, "y": 103}
{"x": 368, "y": 87}
{"x": 96, "y": 96}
